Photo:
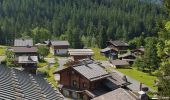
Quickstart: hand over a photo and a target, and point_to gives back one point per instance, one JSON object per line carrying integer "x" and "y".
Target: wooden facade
{"x": 73, "y": 80}
{"x": 69, "y": 76}
{"x": 82, "y": 79}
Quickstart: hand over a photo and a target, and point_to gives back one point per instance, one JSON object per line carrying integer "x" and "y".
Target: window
{"x": 72, "y": 72}
{"x": 66, "y": 93}
{"x": 84, "y": 85}
{"x": 74, "y": 83}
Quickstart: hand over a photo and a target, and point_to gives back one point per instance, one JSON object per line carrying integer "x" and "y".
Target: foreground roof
{"x": 19, "y": 85}
{"x": 118, "y": 94}
{"x": 25, "y": 49}
{"x": 74, "y": 52}
{"x": 118, "y": 43}
{"x": 23, "y": 42}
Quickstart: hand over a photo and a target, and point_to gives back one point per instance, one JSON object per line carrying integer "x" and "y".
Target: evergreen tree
{"x": 164, "y": 53}
{"x": 150, "y": 55}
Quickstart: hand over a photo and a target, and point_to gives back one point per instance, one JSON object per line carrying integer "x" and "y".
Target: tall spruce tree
{"x": 164, "y": 53}
{"x": 150, "y": 55}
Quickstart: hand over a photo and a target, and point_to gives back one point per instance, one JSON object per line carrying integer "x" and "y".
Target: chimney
{"x": 29, "y": 58}
{"x": 28, "y": 46}
{"x": 140, "y": 88}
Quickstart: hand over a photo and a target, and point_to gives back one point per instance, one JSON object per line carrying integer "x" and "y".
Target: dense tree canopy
{"x": 89, "y": 19}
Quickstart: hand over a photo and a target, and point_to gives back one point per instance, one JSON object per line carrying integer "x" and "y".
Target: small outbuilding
{"x": 120, "y": 63}
{"x": 78, "y": 54}
{"x": 58, "y": 47}
{"x": 29, "y": 63}
{"x": 109, "y": 52}
{"x": 129, "y": 57}
{"x": 119, "y": 46}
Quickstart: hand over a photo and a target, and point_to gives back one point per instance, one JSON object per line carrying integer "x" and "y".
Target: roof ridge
{"x": 17, "y": 88}
{"x": 36, "y": 85}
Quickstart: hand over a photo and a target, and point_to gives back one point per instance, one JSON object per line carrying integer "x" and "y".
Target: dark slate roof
{"x": 19, "y": 85}
{"x": 92, "y": 71}
{"x": 119, "y": 62}
{"x": 25, "y": 49}
{"x": 23, "y": 42}
{"x": 118, "y": 94}
{"x": 118, "y": 43}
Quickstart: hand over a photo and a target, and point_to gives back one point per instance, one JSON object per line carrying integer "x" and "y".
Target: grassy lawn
{"x": 42, "y": 64}
{"x": 140, "y": 76}
{"x": 97, "y": 55}
{"x": 50, "y": 76}
{"x": 2, "y": 51}
{"x": 49, "y": 72}
{"x": 50, "y": 55}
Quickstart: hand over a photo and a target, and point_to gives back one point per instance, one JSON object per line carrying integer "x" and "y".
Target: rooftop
{"x": 25, "y": 49}
{"x": 118, "y": 43}
{"x": 57, "y": 43}
{"x": 20, "y": 85}
{"x": 117, "y": 80}
{"x": 119, "y": 62}
{"x": 118, "y": 94}
{"x": 92, "y": 71}
{"x": 73, "y": 52}
{"x": 23, "y": 42}
{"x": 126, "y": 55}
{"x": 27, "y": 59}
{"x": 105, "y": 50}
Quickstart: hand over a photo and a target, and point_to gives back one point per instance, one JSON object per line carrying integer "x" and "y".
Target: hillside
{"x": 82, "y": 22}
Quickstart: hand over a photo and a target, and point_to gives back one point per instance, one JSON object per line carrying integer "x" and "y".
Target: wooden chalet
{"x": 86, "y": 80}
{"x": 78, "y": 54}
{"x": 119, "y": 47}
{"x": 129, "y": 57}
{"x": 109, "y": 52}
{"x": 58, "y": 47}
{"x": 26, "y": 54}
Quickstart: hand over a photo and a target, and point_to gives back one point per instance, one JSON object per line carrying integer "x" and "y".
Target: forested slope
{"x": 88, "y": 22}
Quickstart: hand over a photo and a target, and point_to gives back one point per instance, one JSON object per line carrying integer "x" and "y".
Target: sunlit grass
{"x": 140, "y": 76}
{"x": 97, "y": 55}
